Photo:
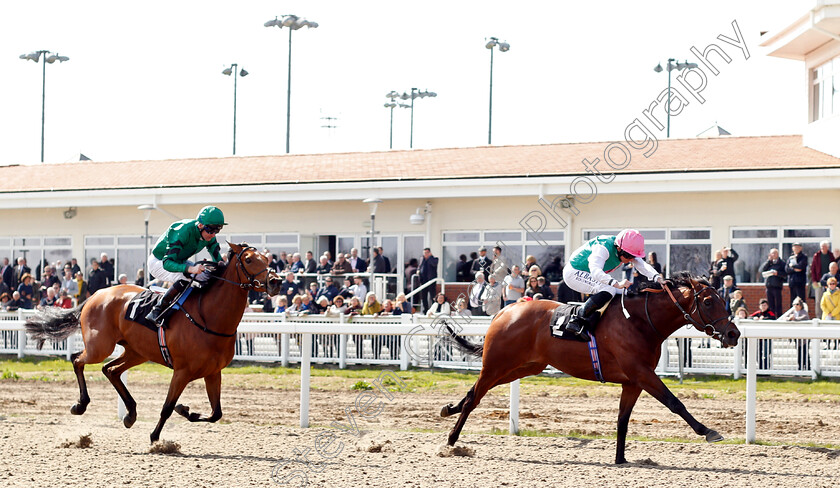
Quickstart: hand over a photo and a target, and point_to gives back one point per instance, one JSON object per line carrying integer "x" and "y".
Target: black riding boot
{"x": 171, "y": 294}
{"x": 579, "y": 322}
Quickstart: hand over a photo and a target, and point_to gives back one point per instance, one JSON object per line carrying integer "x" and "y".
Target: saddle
{"x": 563, "y": 314}
{"x": 143, "y": 302}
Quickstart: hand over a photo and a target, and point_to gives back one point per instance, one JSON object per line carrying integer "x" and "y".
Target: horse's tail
{"x": 54, "y": 323}
{"x": 464, "y": 345}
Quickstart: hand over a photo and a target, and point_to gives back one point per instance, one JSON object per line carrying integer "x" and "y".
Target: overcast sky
{"x": 144, "y": 78}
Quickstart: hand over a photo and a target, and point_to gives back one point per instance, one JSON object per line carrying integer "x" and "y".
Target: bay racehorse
{"x": 519, "y": 343}
{"x": 195, "y": 352}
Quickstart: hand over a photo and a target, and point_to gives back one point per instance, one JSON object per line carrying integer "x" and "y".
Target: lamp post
{"x": 147, "y": 212}
{"x": 415, "y": 93}
{"x": 52, "y": 58}
{"x": 293, "y": 23}
{"x": 503, "y": 47}
{"x": 671, "y": 67}
{"x": 392, "y": 96}
{"x": 243, "y": 73}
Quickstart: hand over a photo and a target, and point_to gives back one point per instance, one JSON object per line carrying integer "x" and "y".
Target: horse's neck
{"x": 225, "y": 300}
{"x": 666, "y": 316}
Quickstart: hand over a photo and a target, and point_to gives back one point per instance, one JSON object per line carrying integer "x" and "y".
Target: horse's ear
{"x": 234, "y": 247}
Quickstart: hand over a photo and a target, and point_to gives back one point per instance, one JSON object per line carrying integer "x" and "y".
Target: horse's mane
{"x": 678, "y": 279}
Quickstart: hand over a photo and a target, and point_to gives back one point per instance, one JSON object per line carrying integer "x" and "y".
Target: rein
{"x": 251, "y": 283}
{"x": 707, "y": 328}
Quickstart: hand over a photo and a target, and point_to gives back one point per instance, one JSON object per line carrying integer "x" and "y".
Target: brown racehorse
{"x": 519, "y": 343}
{"x": 196, "y": 353}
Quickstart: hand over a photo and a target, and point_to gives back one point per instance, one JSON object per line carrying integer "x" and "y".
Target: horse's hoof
{"x": 713, "y": 436}
{"x": 154, "y": 438}
{"x": 621, "y": 461}
{"x": 182, "y": 410}
{"x": 129, "y": 420}
{"x": 444, "y": 412}
{"x": 78, "y": 409}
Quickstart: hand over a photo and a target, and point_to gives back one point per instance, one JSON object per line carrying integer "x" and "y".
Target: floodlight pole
{"x": 411, "y": 136}
{"x": 43, "y": 98}
{"x": 289, "y": 92}
{"x": 490, "y": 118}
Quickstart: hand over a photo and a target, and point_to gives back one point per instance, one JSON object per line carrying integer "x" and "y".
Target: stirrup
{"x": 577, "y": 326}
{"x": 155, "y": 316}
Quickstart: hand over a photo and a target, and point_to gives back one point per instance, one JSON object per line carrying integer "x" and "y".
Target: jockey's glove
{"x": 204, "y": 276}
{"x": 659, "y": 279}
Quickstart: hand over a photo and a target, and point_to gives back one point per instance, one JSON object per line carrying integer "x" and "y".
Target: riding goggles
{"x": 212, "y": 229}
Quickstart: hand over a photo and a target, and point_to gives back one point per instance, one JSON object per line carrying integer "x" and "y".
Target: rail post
{"x": 305, "y": 365}
{"x": 514, "y": 407}
{"x": 752, "y": 360}
{"x": 342, "y": 344}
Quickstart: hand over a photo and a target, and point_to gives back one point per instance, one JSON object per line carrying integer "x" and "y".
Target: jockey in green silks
{"x": 169, "y": 260}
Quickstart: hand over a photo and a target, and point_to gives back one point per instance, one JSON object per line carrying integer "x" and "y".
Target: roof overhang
{"x": 818, "y": 27}
{"x": 525, "y": 186}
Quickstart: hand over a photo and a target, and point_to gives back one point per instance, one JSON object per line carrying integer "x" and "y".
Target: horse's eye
{"x": 707, "y": 301}
{"x": 248, "y": 260}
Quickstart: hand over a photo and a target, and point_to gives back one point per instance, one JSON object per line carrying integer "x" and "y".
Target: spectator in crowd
{"x": 514, "y": 286}
{"x": 736, "y": 301}
{"x": 727, "y": 264}
{"x": 388, "y": 267}
{"x": 122, "y": 279}
{"x": 328, "y": 290}
{"x": 410, "y": 272}
{"x": 8, "y": 274}
{"x": 48, "y": 300}
{"x": 388, "y": 309}
{"x": 341, "y": 266}
{"x": 330, "y": 259}
{"x": 25, "y": 290}
{"x": 296, "y": 308}
{"x": 545, "y": 288}
{"x": 346, "y": 291}
{"x": 833, "y": 270}
{"x": 306, "y": 305}
{"x": 312, "y": 291}
{"x": 355, "y": 307}
{"x": 529, "y": 261}
{"x": 324, "y": 267}
{"x": 476, "y": 293}
{"x": 714, "y": 270}
{"x": 82, "y": 286}
{"x": 492, "y": 297}
{"x": 49, "y": 277}
{"x": 795, "y": 269}
{"x": 482, "y": 263}
{"x": 741, "y": 313}
{"x": 440, "y": 307}
{"x": 763, "y": 312}
{"x": 296, "y": 265}
{"x": 461, "y": 309}
{"x": 533, "y": 287}
{"x": 20, "y": 270}
{"x": 773, "y": 271}
{"x": 96, "y": 277}
{"x": 499, "y": 267}
{"x": 725, "y": 292}
{"x": 309, "y": 264}
{"x": 819, "y": 267}
{"x": 836, "y": 253}
{"x": 282, "y": 261}
{"x": 5, "y": 298}
{"x": 282, "y": 304}
{"x": 107, "y": 268}
{"x": 653, "y": 261}
{"x": 372, "y": 305}
{"x": 140, "y": 280}
{"x": 535, "y": 271}
{"x": 800, "y": 314}
{"x": 74, "y": 265}
{"x": 462, "y": 270}
{"x": 470, "y": 263}
{"x": 359, "y": 289}
{"x": 320, "y": 305}
{"x": 554, "y": 270}
{"x": 15, "y": 303}
{"x": 5, "y": 289}
{"x": 403, "y": 304}
{"x": 354, "y": 260}
{"x": 830, "y": 302}
{"x": 289, "y": 288}
{"x": 337, "y": 308}
{"x": 427, "y": 272}
{"x": 377, "y": 262}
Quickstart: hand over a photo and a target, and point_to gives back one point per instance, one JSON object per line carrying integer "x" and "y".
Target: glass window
{"x": 450, "y": 260}
{"x": 755, "y": 234}
{"x": 130, "y": 240}
{"x": 804, "y": 233}
{"x": 345, "y": 244}
{"x": 281, "y": 239}
{"x": 251, "y": 239}
{"x": 750, "y": 259}
{"x": 129, "y": 261}
{"x": 548, "y": 236}
{"x": 550, "y": 259}
{"x": 690, "y": 257}
{"x": 502, "y": 237}
{"x": 591, "y": 234}
{"x": 28, "y": 241}
{"x": 58, "y": 241}
{"x": 461, "y": 237}
{"x": 693, "y": 235}
{"x": 99, "y": 241}
{"x": 658, "y": 235}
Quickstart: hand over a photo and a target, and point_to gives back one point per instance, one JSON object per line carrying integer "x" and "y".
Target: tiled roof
{"x": 676, "y": 155}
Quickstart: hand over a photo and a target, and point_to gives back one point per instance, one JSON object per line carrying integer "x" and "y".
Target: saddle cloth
{"x": 142, "y": 304}
{"x": 562, "y": 315}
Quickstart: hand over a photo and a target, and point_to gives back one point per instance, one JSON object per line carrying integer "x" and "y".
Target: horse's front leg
{"x": 213, "y": 383}
{"x": 657, "y": 389}
{"x": 176, "y": 387}
{"x": 629, "y": 395}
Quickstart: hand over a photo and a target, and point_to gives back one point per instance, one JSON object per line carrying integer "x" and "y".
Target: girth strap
{"x": 596, "y": 362}
{"x": 164, "y": 349}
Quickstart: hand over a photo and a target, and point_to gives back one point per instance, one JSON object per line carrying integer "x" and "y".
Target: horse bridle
{"x": 252, "y": 282}
{"x": 707, "y": 327}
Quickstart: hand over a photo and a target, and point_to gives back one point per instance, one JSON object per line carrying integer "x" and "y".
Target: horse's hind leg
{"x": 213, "y": 383}
{"x": 629, "y": 395}
{"x": 79, "y": 368}
{"x": 449, "y": 409}
{"x": 657, "y": 389}
{"x": 113, "y": 370}
{"x": 514, "y": 375}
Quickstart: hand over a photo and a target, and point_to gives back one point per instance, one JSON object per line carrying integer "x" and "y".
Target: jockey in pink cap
{"x": 586, "y": 272}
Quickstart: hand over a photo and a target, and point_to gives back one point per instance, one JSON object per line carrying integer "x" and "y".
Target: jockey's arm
{"x": 644, "y": 268}
{"x": 597, "y": 258}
